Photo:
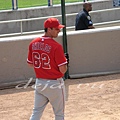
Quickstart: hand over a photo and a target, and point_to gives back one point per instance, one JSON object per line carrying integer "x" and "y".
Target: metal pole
{"x": 50, "y": 3}
{"x": 21, "y": 27}
{"x": 64, "y": 32}
{"x": 14, "y": 4}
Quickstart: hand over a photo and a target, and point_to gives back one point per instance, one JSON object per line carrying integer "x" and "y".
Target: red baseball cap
{"x": 52, "y": 23}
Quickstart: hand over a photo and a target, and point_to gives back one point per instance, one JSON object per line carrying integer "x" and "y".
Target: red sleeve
{"x": 59, "y": 56}
{"x": 29, "y": 59}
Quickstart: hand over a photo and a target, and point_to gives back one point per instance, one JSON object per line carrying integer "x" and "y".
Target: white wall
{"x": 91, "y": 51}
{"x": 94, "y": 51}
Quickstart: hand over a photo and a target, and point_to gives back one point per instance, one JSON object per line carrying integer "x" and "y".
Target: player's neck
{"x": 48, "y": 35}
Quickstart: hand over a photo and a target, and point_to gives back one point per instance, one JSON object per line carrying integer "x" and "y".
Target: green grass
{"x": 7, "y": 4}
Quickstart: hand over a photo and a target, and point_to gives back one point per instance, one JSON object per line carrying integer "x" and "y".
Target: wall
{"x": 71, "y": 11}
{"x": 91, "y": 52}
{"x": 98, "y": 16}
{"x": 94, "y": 51}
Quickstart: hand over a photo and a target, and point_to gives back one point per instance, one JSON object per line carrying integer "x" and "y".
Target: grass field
{"x": 7, "y": 4}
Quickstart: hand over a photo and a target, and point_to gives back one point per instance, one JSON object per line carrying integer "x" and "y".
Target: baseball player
{"x": 47, "y": 58}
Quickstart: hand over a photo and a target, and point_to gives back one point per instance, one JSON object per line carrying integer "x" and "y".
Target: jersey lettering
{"x": 41, "y": 46}
{"x": 42, "y": 60}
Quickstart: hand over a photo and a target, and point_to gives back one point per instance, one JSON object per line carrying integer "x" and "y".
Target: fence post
{"x": 50, "y": 3}
{"x": 64, "y": 33}
{"x": 14, "y": 4}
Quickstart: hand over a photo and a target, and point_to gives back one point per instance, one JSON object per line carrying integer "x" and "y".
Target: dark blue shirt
{"x": 83, "y": 20}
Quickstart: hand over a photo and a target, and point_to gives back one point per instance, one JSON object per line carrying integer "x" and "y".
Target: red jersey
{"x": 46, "y": 55}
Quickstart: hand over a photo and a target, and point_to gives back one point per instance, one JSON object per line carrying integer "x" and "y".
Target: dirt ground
{"x": 93, "y": 98}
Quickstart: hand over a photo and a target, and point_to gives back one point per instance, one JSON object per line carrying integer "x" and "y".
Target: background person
{"x": 83, "y": 19}
{"x": 49, "y": 62}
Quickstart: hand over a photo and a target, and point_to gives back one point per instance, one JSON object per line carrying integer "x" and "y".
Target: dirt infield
{"x": 94, "y": 98}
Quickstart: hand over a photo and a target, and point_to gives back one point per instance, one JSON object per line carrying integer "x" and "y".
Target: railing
{"x": 18, "y": 4}
{"x": 41, "y": 31}
{"x": 21, "y": 25}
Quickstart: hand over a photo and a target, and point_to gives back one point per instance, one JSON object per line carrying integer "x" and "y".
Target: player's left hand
{"x": 67, "y": 57}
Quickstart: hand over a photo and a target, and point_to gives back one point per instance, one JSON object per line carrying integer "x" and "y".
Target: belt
{"x": 49, "y": 79}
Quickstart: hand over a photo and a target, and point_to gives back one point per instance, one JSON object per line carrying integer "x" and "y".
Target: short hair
{"x": 85, "y": 0}
{"x": 86, "y": 4}
{"x": 45, "y": 29}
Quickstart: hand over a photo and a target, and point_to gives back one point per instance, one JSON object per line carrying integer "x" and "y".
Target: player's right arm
{"x": 61, "y": 59}
{"x": 63, "y": 68}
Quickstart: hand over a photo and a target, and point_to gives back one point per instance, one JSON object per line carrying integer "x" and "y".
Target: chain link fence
{"x": 8, "y": 4}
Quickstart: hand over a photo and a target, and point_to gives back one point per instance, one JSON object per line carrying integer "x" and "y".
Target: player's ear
{"x": 48, "y": 29}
